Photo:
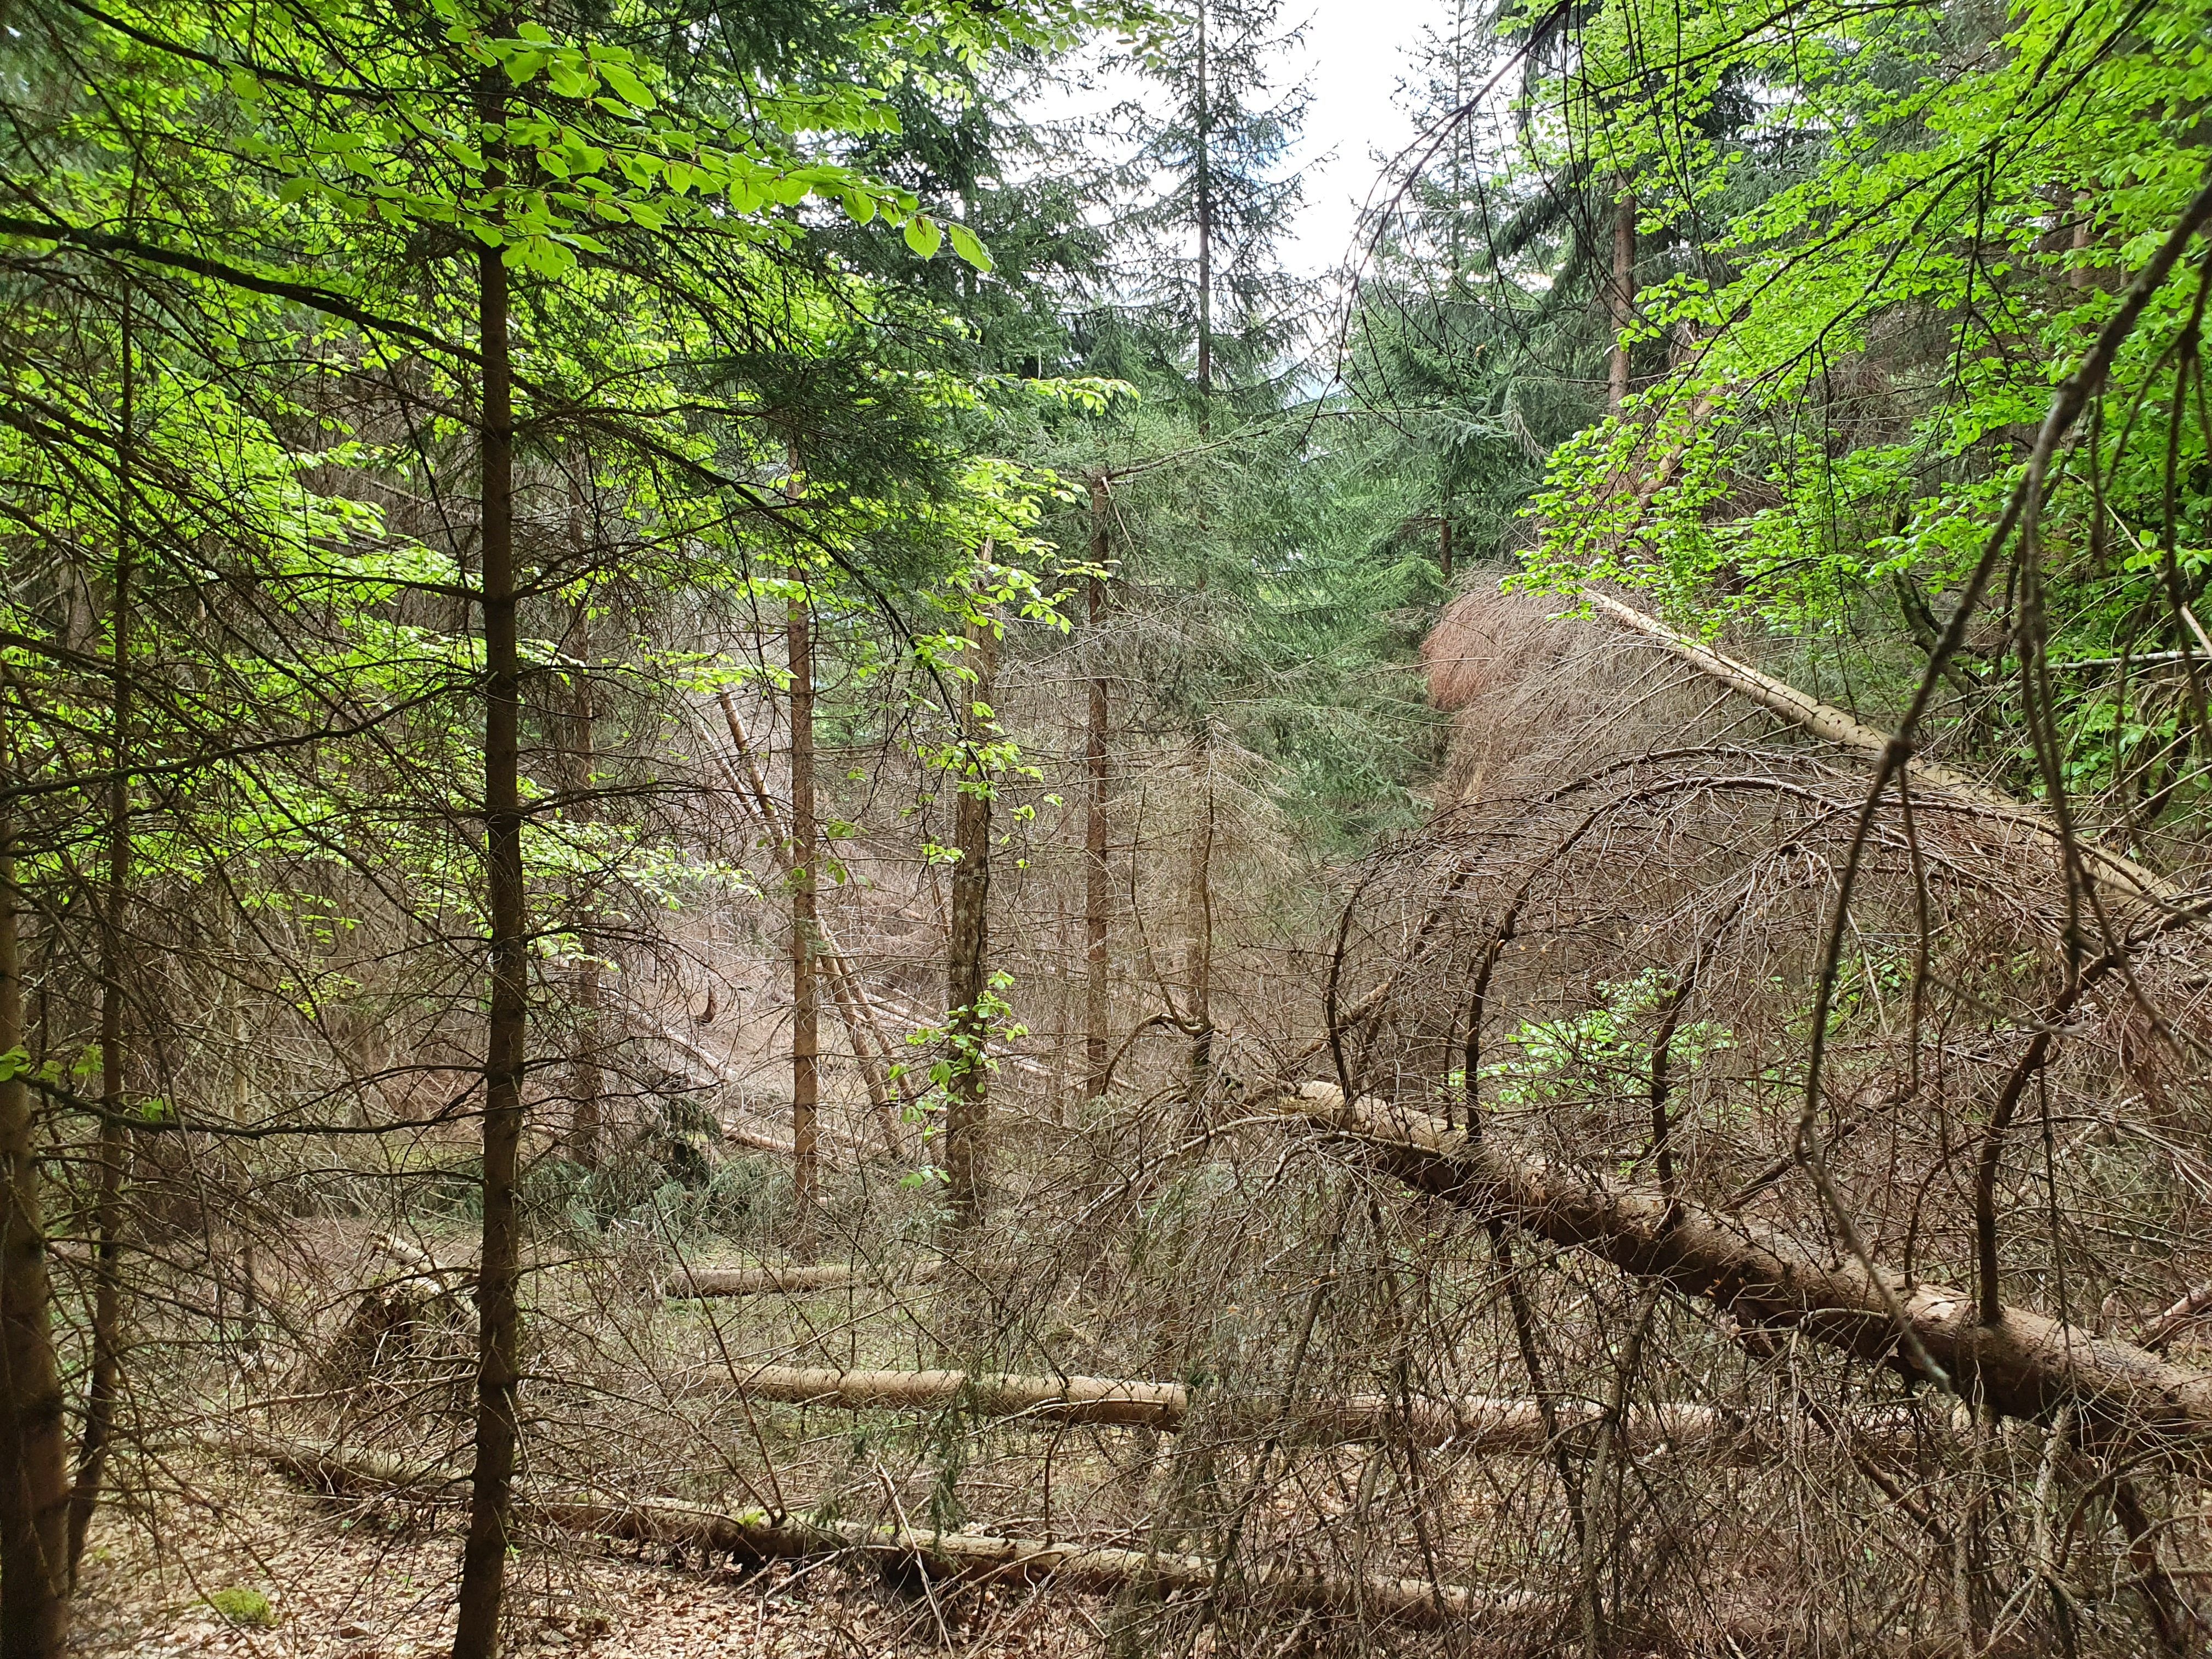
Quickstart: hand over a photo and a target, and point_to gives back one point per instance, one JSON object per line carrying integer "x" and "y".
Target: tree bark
{"x": 1058, "y": 1399}
{"x": 499, "y": 1337}
{"x": 1419, "y": 1603}
{"x": 1200, "y": 962}
{"x": 871, "y": 1046}
{"x": 967, "y": 951}
{"x": 34, "y": 1495}
{"x": 801, "y": 1280}
{"x": 105, "y": 1380}
{"x": 586, "y": 1080}
{"x": 1832, "y": 724}
{"x": 805, "y": 1007}
{"x": 1621, "y": 300}
{"x": 1098, "y": 891}
{"x": 2026, "y": 1364}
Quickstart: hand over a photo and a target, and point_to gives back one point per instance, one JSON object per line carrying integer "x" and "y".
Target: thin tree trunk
{"x": 1205, "y": 183}
{"x": 500, "y": 1341}
{"x": 1200, "y": 962}
{"x": 806, "y": 1006}
{"x": 967, "y": 952}
{"x": 2119, "y": 875}
{"x": 1444, "y": 544}
{"x": 586, "y": 1081}
{"x": 1097, "y": 892}
{"x": 106, "y": 1378}
{"x": 1622, "y": 298}
{"x": 34, "y": 1496}
{"x": 871, "y": 1046}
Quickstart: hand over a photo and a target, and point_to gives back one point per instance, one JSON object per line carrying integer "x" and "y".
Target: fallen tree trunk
{"x": 1058, "y": 1399}
{"x": 795, "y": 1280}
{"x": 1473, "y": 1422}
{"x": 1832, "y": 724}
{"x": 2024, "y": 1364}
{"x": 960, "y": 1555}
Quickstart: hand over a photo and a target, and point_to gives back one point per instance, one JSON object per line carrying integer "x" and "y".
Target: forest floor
{"x": 343, "y": 1582}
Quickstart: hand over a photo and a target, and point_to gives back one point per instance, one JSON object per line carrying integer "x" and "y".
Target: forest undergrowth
{"x": 786, "y": 868}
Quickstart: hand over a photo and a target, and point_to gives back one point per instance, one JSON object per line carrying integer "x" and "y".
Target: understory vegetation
{"x": 766, "y": 818}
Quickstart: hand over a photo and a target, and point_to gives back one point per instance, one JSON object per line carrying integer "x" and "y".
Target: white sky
{"x": 1356, "y": 52}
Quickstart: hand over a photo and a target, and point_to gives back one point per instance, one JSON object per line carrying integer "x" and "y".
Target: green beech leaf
{"x": 627, "y": 86}
{"x": 923, "y": 236}
{"x": 969, "y": 248}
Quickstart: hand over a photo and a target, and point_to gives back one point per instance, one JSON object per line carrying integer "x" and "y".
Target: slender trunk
{"x": 871, "y": 1046}
{"x": 1622, "y": 298}
{"x": 967, "y": 956}
{"x": 106, "y": 1378}
{"x": 1444, "y": 544}
{"x": 1199, "y": 961}
{"x": 805, "y": 1003}
{"x": 1601, "y": 1533}
{"x": 586, "y": 1082}
{"x": 241, "y": 1093}
{"x": 500, "y": 1341}
{"x": 1205, "y": 184}
{"x": 1096, "y": 890}
{"x": 34, "y": 1497}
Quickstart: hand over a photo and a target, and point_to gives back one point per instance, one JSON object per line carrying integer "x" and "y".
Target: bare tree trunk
{"x": 871, "y": 1046}
{"x": 1445, "y": 543}
{"x": 806, "y": 1007}
{"x": 992, "y": 1557}
{"x": 586, "y": 1082}
{"x": 1200, "y": 962}
{"x": 484, "y": 1560}
{"x": 2119, "y": 875}
{"x": 1097, "y": 888}
{"x": 34, "y": 1496}
{"x": 2025, "y": 1364}
{"x": 1205, "y": 183}
{"x": 114, "y": 1148}
{"x": 967, "y": 951}
{"x": 1621, "y": 302}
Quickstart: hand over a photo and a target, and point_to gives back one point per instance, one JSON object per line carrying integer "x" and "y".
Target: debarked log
{"x": 2025, "y": 1364}
{"x": 962, "y": 1555}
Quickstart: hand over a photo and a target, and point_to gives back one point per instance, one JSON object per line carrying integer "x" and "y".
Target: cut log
{"x": 1832, "y": 724}
{"x": 796, "y": 1280}
{"x": 1473, "y": 1423}
{"x": 2026, "y": 1364}
{"x": 1058, "y": 1399}
{"x": 956, "y": 1555}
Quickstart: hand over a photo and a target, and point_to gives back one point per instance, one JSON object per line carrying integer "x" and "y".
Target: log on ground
{"x": 973, "y": 1556}
{"x": 2026, "y": 1364}
{"x": 796, "y": 1280}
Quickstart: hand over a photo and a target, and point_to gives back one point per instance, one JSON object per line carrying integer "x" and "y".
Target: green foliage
{"x": 1600, "y": 1052}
